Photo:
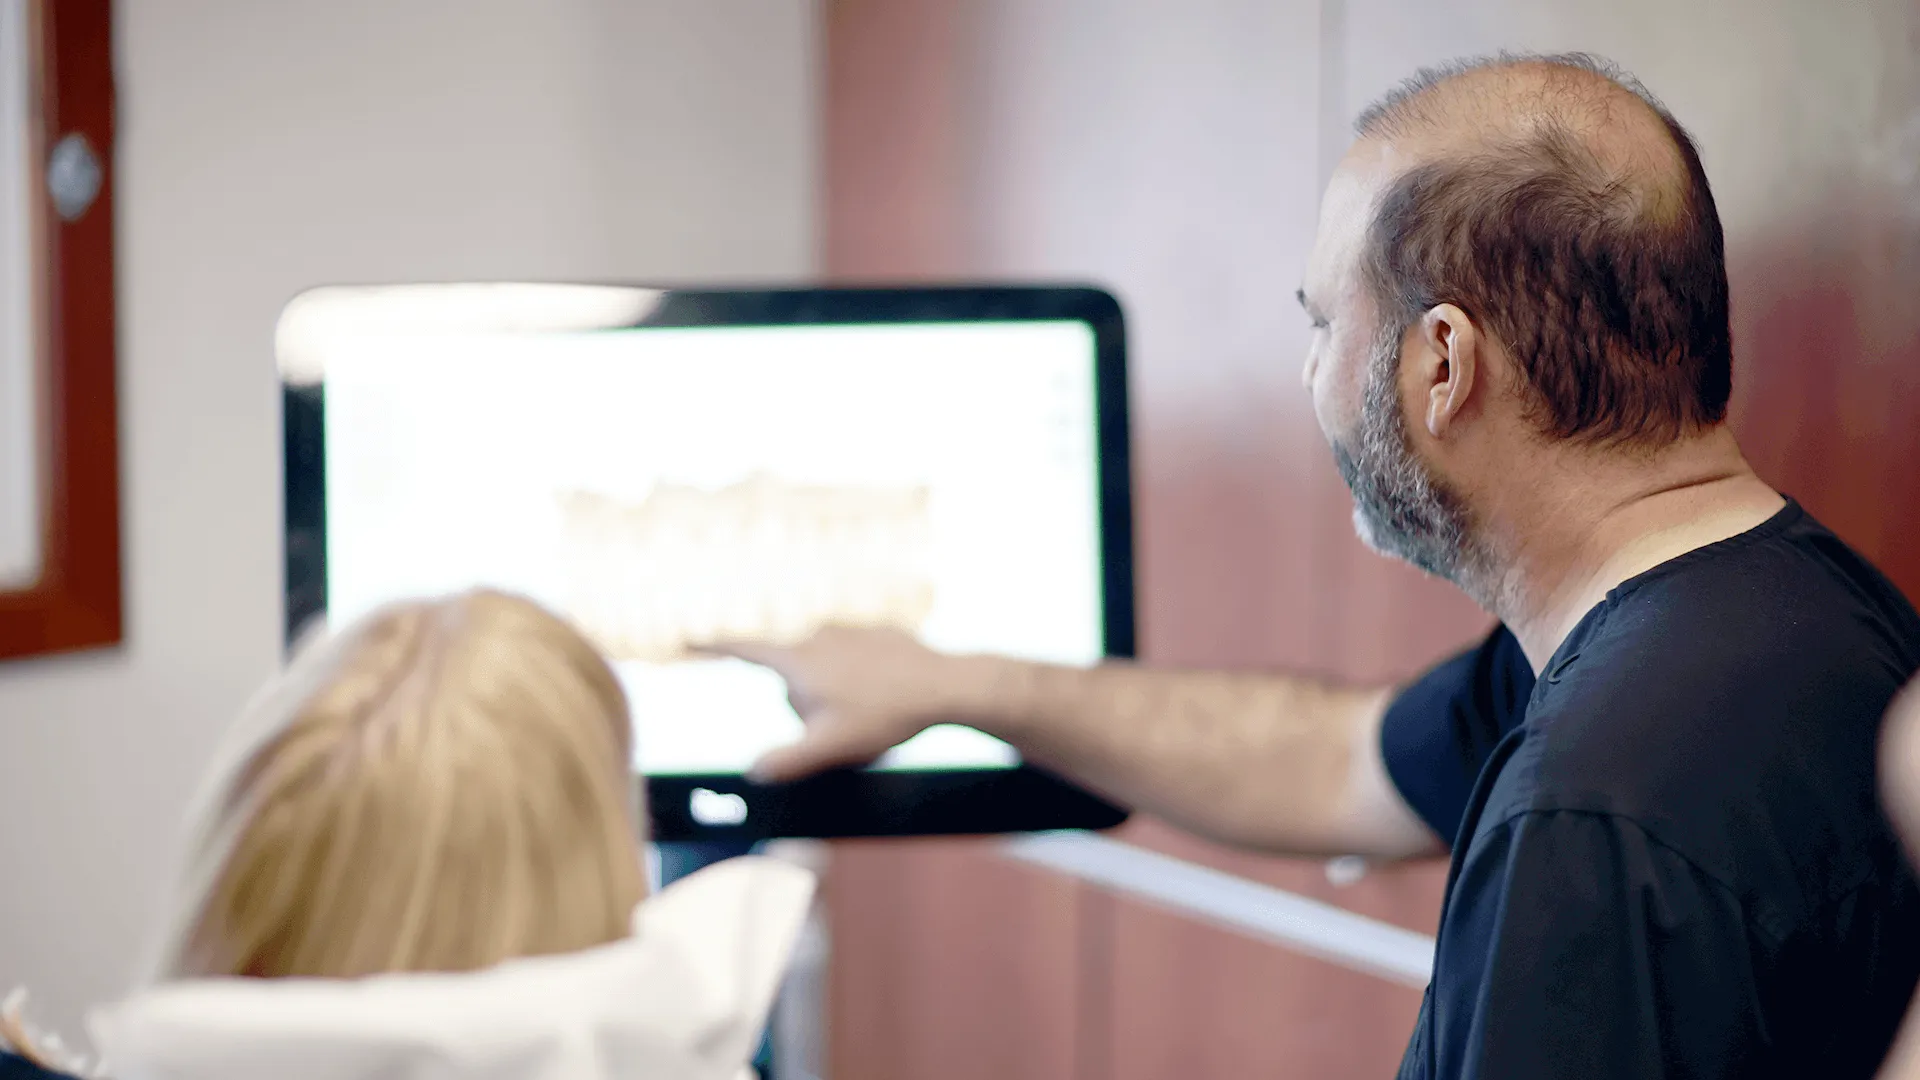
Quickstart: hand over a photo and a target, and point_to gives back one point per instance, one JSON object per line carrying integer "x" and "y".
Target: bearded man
{"x": 1655, "y": 778}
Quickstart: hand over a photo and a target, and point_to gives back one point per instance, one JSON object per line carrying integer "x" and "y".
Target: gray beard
{"x": 1400, "y": 508}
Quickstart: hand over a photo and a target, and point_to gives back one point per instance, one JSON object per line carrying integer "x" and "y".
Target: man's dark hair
{"x": 1606, "y": 283}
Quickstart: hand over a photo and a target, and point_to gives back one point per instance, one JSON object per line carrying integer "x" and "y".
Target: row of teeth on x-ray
{"x": 762, "y": 559}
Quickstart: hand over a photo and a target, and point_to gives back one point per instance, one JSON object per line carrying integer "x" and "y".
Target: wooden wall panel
{"x": 1007, "y": 139}
{"x": 1828, "y": 401}
{"x": 1175, "y": 152}
{"x": 891, "y": 159}
{"x": 949, "y": 962}
{"x": 1188, "y": 1000}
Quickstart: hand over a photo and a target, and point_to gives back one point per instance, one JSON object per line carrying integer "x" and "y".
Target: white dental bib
{"x": 685, "y": 998}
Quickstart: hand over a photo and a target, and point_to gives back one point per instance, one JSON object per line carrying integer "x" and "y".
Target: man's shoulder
{"x": 1784, "y": 623}
{"x": 1730, "y": 705}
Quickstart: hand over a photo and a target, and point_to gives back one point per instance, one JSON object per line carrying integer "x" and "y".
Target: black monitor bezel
{"x": 844, "y": 803}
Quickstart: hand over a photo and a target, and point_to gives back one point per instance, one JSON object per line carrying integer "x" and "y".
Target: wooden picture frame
{"x": 63, "y": 591}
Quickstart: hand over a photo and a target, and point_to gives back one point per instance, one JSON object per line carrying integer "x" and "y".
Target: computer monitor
{"x": 665, "y": 467}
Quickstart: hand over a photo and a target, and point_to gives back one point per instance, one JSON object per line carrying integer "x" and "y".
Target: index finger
{"x": 765, "y": 653}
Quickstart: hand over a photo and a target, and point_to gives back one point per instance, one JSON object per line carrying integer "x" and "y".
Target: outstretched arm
{"x": 1275, "y": 763}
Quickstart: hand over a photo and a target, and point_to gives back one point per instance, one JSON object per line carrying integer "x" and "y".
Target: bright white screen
{"x": 664, "y": 485}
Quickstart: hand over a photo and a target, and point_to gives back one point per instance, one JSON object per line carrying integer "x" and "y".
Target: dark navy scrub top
{"x": 1669, "y": 859}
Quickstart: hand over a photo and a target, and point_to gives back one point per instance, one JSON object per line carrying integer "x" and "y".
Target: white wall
{"x": 266, "y": 147}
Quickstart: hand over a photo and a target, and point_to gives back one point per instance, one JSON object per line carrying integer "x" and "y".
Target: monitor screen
{"x": 668, "y": 468}
{"x": 665, "y": 487}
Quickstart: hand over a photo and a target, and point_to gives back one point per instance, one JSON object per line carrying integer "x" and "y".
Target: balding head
{"x": 1518, "y": 263}
{"x": 1555, "y": 200}
{"x": 1514, "y": 96}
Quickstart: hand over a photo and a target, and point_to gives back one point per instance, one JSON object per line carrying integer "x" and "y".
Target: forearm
{"x": 1282, "y": 764}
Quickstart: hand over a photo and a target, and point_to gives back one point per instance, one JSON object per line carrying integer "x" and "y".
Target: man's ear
{"x": 1447, "y": 346}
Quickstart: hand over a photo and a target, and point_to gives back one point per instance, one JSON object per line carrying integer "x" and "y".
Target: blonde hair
{"x": 444, "y": 785}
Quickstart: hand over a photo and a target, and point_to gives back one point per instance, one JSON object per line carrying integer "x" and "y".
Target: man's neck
{"x": 1599, "y": 520}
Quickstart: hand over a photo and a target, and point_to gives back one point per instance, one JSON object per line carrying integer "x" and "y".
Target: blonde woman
{"x": 421, "y": 856}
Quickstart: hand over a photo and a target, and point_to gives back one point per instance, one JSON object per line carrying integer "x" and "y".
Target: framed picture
{"x": 60, "y": 587}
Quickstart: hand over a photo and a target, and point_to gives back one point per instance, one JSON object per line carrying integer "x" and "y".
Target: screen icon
{"x": 710, "y": 807}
